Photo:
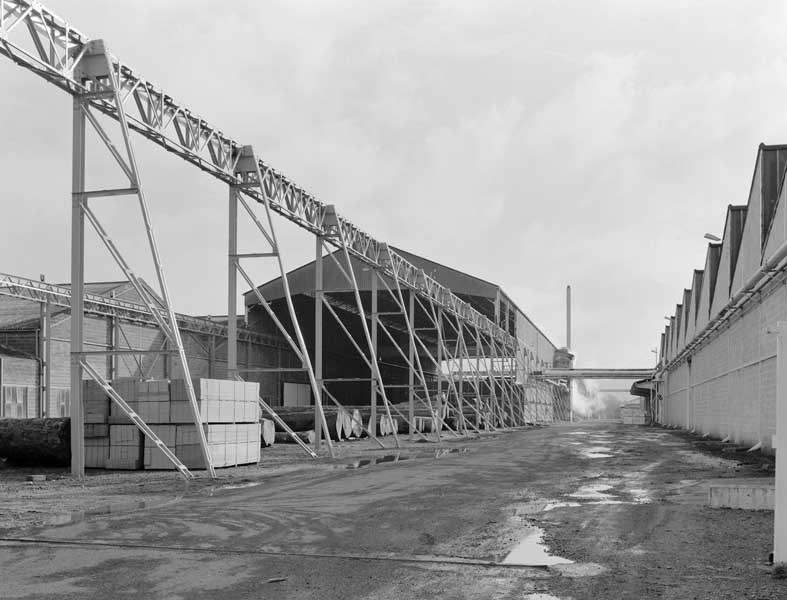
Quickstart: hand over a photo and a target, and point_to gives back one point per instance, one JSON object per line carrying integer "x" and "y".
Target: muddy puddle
{"x": 596, "y": 452}
{"x": 593, "y": 491}
{"x": 112, "y": 508}
{"x": 240, "y": 486}
{"x": 600, "y": 493}
{"x": 539, "y": 506}
{"x": 532, "y": 552}
{"x": 402, "y": 456}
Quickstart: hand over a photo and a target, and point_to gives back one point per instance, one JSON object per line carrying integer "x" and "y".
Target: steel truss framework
{"x": 113, "y": 308}
{"x": 97, "y": 77}
{"x": 484, "y": 357}
{"x": 493, "y": 397}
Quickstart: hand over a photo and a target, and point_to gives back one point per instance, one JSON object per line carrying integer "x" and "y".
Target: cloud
{"x": 521, "y": 142}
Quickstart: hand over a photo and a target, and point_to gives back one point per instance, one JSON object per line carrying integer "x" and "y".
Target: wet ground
{"x": 592, "y": 510}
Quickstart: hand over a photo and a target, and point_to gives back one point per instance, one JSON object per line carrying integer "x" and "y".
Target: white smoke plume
{"x": 589, "y": 403}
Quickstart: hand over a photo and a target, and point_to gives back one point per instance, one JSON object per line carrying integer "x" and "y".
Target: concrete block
{"x": 747, "y": 496}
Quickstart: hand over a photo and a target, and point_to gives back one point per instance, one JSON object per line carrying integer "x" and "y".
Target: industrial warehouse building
{"x": 35, "y": 340}
{"x": 717, "y": 370}
{"x": 35, "y": 345}
{"x": 345, "y": 373}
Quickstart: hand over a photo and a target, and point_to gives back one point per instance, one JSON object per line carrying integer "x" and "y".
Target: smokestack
{"x": 568, "y": 317}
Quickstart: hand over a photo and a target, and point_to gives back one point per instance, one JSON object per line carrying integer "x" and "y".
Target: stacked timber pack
{"x": 632, "y": 414}
{"x": 229, "y": 413}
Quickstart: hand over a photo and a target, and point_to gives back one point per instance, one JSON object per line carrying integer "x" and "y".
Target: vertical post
{"x": 568, "y": 317}
{"x": 439, "y": 355}
{"x": 411, "y": 373}
{"x": 212, "y": 357}
{"x": 511, "y": 358}
{"x": 114, "y": 327}
{"x": 318, "y": 299}
{"x": 688, "y": 396}
{"x": 460, "y": 417}
{"x": 112, "y": 345}
{"x": 570, "y": 400}
{"x": 46, "y": 353}
{"x": 48, "y": 396}
{"x": 373, "y": 355}
{"x": 780, "y": 500}
{"x": 232, "y": 286}
{"x": 77, "y": 289}
{"x": 478, "y": 383}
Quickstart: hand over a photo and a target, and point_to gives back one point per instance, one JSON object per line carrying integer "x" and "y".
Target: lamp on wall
{"x": 711, "y": 237}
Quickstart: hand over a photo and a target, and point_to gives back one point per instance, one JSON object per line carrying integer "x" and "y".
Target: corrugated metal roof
{"x": 301, "y": 280}
{"x": 17, "y": 313}
{"x": 122, "y": 290}
{"x": 456, "y": 280}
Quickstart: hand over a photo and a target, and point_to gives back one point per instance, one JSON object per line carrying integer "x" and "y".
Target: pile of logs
{"x": 352, "y": 422}
{"x": 343, "y": 424}
{"x": 39, "y": 442}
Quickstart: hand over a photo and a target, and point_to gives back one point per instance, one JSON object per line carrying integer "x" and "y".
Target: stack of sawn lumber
{"x": 229, "y": 413}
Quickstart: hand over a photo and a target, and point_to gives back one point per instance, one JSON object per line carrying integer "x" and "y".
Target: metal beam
{"x": 596, "y": 373}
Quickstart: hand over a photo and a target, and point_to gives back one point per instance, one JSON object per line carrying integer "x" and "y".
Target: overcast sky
{"x": 533, "y": 144}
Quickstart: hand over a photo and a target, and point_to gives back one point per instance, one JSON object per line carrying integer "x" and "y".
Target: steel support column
{"x": 408, "y": 313}
{"x": 318, "y": 314}
{"x": 349, "y": 275}
{"x": 77, "y": 289}
{"x": 247, "y": 169}
{"x": 780, "y": 500}
{"x": 411, "y": 350}
{"x": 102, "y": 83}
{"x": 441, "y": 401}
{"x": 232, "y": 285}
{"x": 373, "y": 348}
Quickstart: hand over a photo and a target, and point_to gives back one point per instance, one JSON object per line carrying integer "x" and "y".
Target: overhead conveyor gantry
{"x": 47, "y": 45}
{"x": 157, "y": 116}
